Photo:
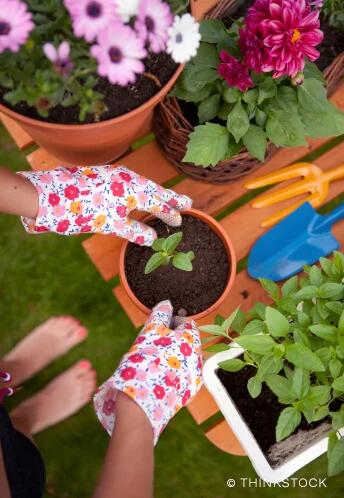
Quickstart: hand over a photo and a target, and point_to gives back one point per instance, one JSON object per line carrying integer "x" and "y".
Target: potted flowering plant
{"x": 280, "y": 384}
{"x": 82, "y": 76}
{"x": 250, "y": 87}
{"x": 193, "y": 266}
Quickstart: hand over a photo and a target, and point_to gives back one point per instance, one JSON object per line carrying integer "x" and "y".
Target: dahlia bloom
{"x": 184, "y": 38}
{"x": 91, "y": 17}
{"x": 59, "y": 57}
{"x": 251, "y": 43}
{"x": 118, "y": 52}
{"x": 15, "y": 25}
{"x": 153, "y": 20}
{"x": 234, "y": 72}
{"x": 291, "y": 31}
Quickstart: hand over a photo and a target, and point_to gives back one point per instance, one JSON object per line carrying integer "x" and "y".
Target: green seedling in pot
{"x": 165, "y": 251}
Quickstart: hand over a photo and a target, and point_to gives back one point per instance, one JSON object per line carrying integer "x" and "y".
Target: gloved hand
{"x": 162, "y": 371}
{"x": 99, "y": 199}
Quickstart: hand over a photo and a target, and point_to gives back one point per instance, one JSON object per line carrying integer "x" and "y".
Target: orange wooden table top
{"x": 242, "y": 225}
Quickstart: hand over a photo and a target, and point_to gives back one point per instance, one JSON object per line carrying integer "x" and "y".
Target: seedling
{"x": 165, "y": 252}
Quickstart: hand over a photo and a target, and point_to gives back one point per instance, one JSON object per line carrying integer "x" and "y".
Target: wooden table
{"x": 242, "y": 225}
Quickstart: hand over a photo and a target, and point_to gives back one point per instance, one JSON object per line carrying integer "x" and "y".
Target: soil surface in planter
{"x": 119, "y": 100}
{"x": 193, "y": 291}
{"x": 261, "y": 415}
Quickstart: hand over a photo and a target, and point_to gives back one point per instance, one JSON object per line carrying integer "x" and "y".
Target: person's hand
{"x": 100, "y": 199}
{"x": 162, "y": 372}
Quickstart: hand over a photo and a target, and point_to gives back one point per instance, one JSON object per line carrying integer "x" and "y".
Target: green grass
{"x": 46, "y": 275}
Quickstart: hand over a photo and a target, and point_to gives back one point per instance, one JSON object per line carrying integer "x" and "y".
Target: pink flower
{"x": 141, "y": 375}
{"x": 42, "y": 229}
{"x": 121, "y": 211}
{"x": 186, "y": 397}
{"x": 150, "y": 350}
{"x": 53, "y": 199}
{"x": 71, "y": 192}
{"x": 139, "y": 240}
{"x": 169, "y": 378}
{"x": 185, "y": 349}
{"x": 163, "y": 341}
{"x": 128, "y": 373}
{"x": 170, "y": 399}
{"x": 117, "y": 189}
{"x": 59, "y": 211}
{"x": 109, "y": 407}
{"x": 15, "y": 25}
{"x": 125, "y": 177}
{"x": 142, "y": 393}
{"x": 119, "y": 224}
{"x": 86, "y": 228}
{"x": 42, "y": 211}
{"x": 62, "y": 226}
{"x": 46, "y": 178}
{"x": 59, "y": 57}
{"x": 92, "y": 17}
{"x": 159, "y": 392}
{"x": 136, "y": 358}
{"x": 165, "y": 209}
{"x": 98, "y": 200}
{"x": 140, "y": 340}
{"x": 82, "y": 220}
{"x": 142, "y": 197}
{"x": 64, "y": 176}
{"x": 158, "y": 413}
{"x": 154, "y": 368}
{"x": 251, "y": 43}
{"x": 119, "y": 53}
{"x": 234, "y": 72}
{"x": 153, "y": 20}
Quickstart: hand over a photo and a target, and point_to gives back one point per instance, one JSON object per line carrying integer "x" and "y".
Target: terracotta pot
{"x": 200, "y": 7}
{"x": 91, "y": 144}
{"x": 217, "y": 228}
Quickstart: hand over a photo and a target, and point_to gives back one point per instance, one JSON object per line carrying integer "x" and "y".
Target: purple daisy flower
{"x": 59, "y": 57}
{"x": 91, "y": 17}
{"x": 118, "y": 52}
{"x": 15, "y": 25}
{"x": 234, "y": 72}
{"x": 153, "y": 20}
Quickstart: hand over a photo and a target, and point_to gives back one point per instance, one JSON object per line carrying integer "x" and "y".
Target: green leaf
{"x": 250, "y": 95}
{"x": 261, "y": 344}
{"x": 338, "y": 383}
{"x": 327, "y": 332}
{"x": 224, "y": 110}
{"x": 231, "y": 94}
{"x": 288, "y": 421}
{"x": 255, "y": 141}
{"x": 319, "y": 395}
{"x": 326, "y": 125}
{"x": 219, "y": 320}
{"x": 198, "y": 96}
{"x": 300, "y": 356}
{"x": 261, "y": 117}
{"x": 287, "y": 98}
{"x": 315, "y": 276}
{"x": 208, "y": 144}
{"x": 311, "y": 70}
{"x": 260, "y": 309}
{"x": 312, "y": 96}
{"x": 267, "y": 89}
{"x": 301, "y": 338}
{"x": 254, "y": 327}
{"x": 270, "y": 287}
{"x": 307, "y": 409}
{"x": 308, "y": 292}
{"x": 238, "y": 121}
{"x": 254, "y": 387}
{"x": 269, "y": 365}
{"x": 341, "y": 324}
{"x": 213, "y": 329}
{"x": 190, "y": 255}
{"x": 335, "y": 307}
{"x": 170, "y": 244}
{"x": 207, "y": 57}
{"x": 322, "y": 309}
{"x": 195, "y": 78}
{"x": 233, "y": 148}
{"x": 277, "y": 324}
{"x": 251, "y": 110}
{"x": 209, "y": 108}
{"x": 303, "y": 319}
{"x": 336, "y": 458}
{"x": 157, "y": 244}
{"x": 154, "y": 262}
{"x": 301, "y": 383}
{"x": 233, "y": 365}
{"x": 326, "y": 265}
{"x": 324, "y": 354}
{"x": 290, "y": 286}
{"x": 285, "y": 130}
{"x": 217, "y": 348}
{"x": 279, "y": 351}
{"x": 228, "y": 322}
{"x": 280, "y": 386}
{"x": 239, "y": 322}
{"x": 321, "y": 413}
{"x": 338, "y": 420}
{"x": 287, "y": 304}
{"x": 335, "y": 367}
{"x": 211, "y": 30}
{"x": 182, "y": 262}
{"x": 332, "y": 291}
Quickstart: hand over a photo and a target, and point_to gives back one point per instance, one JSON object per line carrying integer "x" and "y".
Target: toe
{"x": 83, "y": 367}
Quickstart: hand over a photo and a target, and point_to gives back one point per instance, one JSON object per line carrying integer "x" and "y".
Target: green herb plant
{"x": 296, "y": 347}
{"x": 334, "y": 13}
{"x": 166, "y": 251}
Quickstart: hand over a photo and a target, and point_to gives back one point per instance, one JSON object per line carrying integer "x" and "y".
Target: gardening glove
{"x": 162, "y": 372}
{"x": 99, "y": 199}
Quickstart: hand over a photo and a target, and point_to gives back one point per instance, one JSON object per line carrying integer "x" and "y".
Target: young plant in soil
{"x": 296, "y": 348}
{"x": 166, "y": 251}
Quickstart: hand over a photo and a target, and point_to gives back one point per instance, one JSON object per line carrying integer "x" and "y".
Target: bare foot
{"x": 60, "y": 399}
{"x": 47, "y": 342}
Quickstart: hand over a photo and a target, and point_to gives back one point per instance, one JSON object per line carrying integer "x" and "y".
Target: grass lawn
{"x": 46, "y": 275}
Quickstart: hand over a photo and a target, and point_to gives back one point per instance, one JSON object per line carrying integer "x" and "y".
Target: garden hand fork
{"x": 315, "y": 182}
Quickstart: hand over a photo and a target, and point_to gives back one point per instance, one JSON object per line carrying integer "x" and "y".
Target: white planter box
{"x": 243, "y": 433}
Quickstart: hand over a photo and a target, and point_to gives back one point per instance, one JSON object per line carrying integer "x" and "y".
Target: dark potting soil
{"x": 261, "y": 414}
{"x": 191, "y": 291}
{"x": 331, "y": 46}
{"x": 119, "y": 100}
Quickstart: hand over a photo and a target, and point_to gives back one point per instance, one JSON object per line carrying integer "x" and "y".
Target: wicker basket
{"x": 172, "y": 129}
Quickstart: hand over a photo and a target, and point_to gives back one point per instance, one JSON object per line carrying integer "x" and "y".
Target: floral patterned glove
{"x": 99, "y": 199}
{"x": 161, "y": 372}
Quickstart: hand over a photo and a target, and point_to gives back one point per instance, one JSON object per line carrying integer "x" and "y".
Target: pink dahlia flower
{"x": 118, "y": 52}
{"x": 234, "y": 72}
{"x": 291, "y": 31}
{"x": 251, "y": 43}
{"x": 15, "y": 25}
{"x": 153, "y": 20}
{"x": 91, "y": 17}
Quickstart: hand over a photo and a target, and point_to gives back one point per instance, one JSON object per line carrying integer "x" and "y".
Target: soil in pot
{"x": 193, "y": 291}
{"x": 119, "y": 100}
{"x": 261, "y": 415}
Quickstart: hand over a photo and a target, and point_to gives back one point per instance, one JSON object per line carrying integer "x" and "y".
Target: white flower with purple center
{"x": 15, "y": 25}
{"x": 119, "y": 53}
{"x": 127, "y": 9}
{"x": 59, "y": 57}
{"x": 183, "y": 38}
{"x": 91, "y": 17}
{"x": 153, "y": 20}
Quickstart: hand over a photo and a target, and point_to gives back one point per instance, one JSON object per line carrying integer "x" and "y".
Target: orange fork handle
{"x": 288, "y": 173}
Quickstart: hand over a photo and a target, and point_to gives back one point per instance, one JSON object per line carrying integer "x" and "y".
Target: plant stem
{"x": 153, "y": 78}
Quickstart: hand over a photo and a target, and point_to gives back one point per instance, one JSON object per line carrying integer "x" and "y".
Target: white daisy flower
{"x": 127, "y": 9}
{"x": 183, "y": 38}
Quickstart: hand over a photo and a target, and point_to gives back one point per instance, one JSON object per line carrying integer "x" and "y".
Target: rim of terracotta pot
{"x": 57, "y": 126}
{"x": 219, "y": 230}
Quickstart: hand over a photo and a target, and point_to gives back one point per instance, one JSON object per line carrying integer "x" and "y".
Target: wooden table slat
{"x": 222, "y": 436}
{"x": 21, "y": 138}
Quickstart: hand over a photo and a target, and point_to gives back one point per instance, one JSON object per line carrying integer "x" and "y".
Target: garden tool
{"x": 300, "y": 239}
{"x": 315, "y": 182}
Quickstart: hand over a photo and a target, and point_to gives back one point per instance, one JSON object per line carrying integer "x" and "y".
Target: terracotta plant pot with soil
{"x": 195, "y": 294}
{"x": 253, "y": 422}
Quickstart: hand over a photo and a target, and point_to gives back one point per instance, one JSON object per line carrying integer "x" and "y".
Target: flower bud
{"x": 298, "y": 79}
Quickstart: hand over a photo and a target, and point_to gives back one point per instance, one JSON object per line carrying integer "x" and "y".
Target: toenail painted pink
{"x": 82, "y": 332}
{"x": 85, "y": 364}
